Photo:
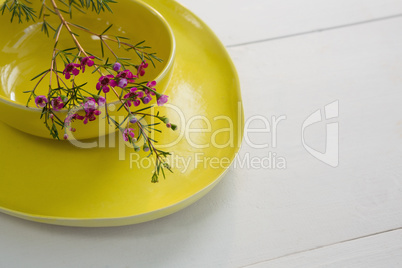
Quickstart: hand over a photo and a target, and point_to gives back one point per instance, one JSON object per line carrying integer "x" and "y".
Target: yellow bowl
{"x": 25, "y": 52}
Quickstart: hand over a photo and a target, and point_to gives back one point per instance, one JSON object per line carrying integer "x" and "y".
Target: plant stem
{"x": 66, "y": 24}
{"x": 103, "y": 41}
{"x": 108, "y": 38}
{"x": 52, "y": 65}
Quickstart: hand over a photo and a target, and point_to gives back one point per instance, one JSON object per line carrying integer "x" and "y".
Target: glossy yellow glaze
{"x": 57, "y": 183}
{"x": 26, "y": 52}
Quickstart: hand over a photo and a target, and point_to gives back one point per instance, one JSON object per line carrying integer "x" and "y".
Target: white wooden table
{"x": 293, "y": 57}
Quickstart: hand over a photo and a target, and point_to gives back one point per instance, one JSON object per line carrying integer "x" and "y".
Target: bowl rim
{"x": 158, "y": 78}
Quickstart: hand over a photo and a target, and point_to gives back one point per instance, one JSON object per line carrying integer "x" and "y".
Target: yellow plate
{"x": 57, "y": 183}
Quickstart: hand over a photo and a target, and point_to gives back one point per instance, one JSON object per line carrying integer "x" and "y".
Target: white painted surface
{"x": 382, "y": 250}
{"x": 240, "y": 21}
{"x": 301, "y": 216}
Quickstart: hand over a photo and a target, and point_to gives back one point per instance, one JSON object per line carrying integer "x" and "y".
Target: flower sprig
{"x": 118, "y": 78}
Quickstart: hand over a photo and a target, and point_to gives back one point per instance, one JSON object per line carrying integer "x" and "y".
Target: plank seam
{"x": 324, "y": 246}
{"x": 316, "y": 31}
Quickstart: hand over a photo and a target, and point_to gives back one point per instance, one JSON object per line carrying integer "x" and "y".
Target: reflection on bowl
{"x": 26, "y": 52}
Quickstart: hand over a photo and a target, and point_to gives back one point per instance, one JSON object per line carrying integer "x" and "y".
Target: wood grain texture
{"x": 239, "y": 21}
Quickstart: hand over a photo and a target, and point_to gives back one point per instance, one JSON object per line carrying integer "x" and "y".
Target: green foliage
{"x": 18, "y": 9}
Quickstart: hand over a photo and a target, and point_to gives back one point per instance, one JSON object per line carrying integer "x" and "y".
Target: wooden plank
{"x": 383, "y": 250}
{"x": 239, "y": 21}
{"x": 311, "y": 204}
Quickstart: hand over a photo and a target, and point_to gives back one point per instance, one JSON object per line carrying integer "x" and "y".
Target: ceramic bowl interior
{"x": 25, "y": 52}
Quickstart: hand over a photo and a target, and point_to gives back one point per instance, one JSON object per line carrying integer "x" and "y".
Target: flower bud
{"x": 116, "y": 66}
{"x": 164, "y": 120}
{"x": 64, "y": 98}
{"x": 133, "y": 119}
{"x": 145, "y": 147}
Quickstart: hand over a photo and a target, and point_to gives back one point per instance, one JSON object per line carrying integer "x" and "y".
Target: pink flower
{"x": 91, "y": 99}
{"x": 41, "y": 101}
{"x": 87, "y": 61}
{"x": 90, "y": 111}
{"x": 98, "y": 99}
{"x": 126, "y": 74}
{"x": 128, "y": 134}
{"x": 162, "y": 99}
{"x": 101, "y": 101}
{"x": 151, "y": 85}
{"x": 122, "y": 83}
{"x": 71, "y": 68}
{"x": 71, "y": 117}
{"x": 90, "y": 105}
{"x": 91, "y": 116}
{"x": 132, "y": 97}
{"x": 57, "y": 104}
{"x": 105, "y": 82}
{"x": 140, "y": 70}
